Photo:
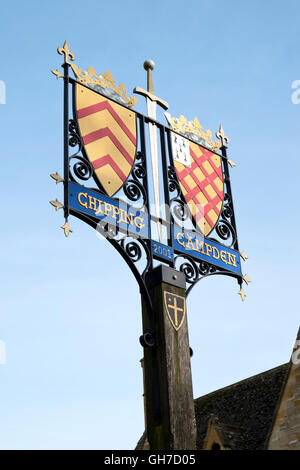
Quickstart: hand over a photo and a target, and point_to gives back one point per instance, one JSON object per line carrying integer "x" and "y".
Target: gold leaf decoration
{"x": 104, "y": 83}
{"x": 193, "y": 130}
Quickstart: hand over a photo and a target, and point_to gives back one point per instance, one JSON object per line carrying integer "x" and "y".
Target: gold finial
{"x": 57, "y": 177}
{"x": 66, "y": 229}
{"x": 244, "y": 256}
{"x": 66, "y": 51}
{"x": 192, "y": 130}
{"x": 221, "y": 136}
{"x": 149, "y": 66}
{"x": 58, "y": 205}
{"x": 57, "y": 73}
{"x": 149, "y": 93}
{"x": 242, "y": 294}
{"x": 247, "y": 279}
{"x": 231, "y": 163}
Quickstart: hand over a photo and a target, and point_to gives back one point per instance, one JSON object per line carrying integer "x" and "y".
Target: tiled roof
{"x": 248, "y": 405}
{"x": 244, "y": 410}
{"x": 231, "y": 437}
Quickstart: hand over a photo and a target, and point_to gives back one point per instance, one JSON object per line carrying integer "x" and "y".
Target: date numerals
{"x": 162, "y": 251}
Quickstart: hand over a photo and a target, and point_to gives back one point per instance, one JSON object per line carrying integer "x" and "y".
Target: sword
{"x": 152, "y": 101}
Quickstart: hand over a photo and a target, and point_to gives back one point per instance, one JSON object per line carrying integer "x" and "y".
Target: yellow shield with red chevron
{"x": 108, "y": 132}
{"x": 200, "y": 176}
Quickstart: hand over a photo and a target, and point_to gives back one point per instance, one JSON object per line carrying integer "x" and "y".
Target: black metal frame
{"x": 225, "y": 227}
{"x": 78, "y": 168}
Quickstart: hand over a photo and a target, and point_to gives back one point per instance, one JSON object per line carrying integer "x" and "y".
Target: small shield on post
{"x": 175, "y": 306}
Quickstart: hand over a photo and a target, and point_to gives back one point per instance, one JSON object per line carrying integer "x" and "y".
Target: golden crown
{"x": 193, "y": 130}
{"x": 104, "y": 83}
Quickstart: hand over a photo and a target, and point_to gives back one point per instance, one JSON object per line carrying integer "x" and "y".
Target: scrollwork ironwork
{"x": 227, "y": 211}
{"x": 173, "y": 182}
{"x": 80, "y": 166}
{"x": 195, "y": 271}
{"x": 224, "y": 227}
{"x": 179, "y": 209}
{"x": 82, "y": 169}
{"x": 74, "y": 137}
{"x": 134, "y": 187}
{"x": 189, "y": 268}
{"x": 134, "y": 190}
{"x": 133, "y": 250}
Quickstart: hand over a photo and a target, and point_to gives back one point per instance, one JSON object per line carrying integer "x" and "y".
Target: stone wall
{"x": 285, "y": 434}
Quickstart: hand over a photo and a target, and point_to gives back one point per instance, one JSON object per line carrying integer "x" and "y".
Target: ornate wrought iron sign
{"x": 176, "y": 210}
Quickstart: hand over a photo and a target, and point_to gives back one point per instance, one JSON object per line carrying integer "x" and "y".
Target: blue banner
{"x": 127, "y": 218}
{"x": 136, "y": 222}
{"x": 161, "y": 251}
{"x": 204, "y": 249}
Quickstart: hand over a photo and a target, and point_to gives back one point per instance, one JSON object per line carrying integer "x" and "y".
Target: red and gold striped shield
{"x": 201, "y": 182}
{"x": 108, "y": 132}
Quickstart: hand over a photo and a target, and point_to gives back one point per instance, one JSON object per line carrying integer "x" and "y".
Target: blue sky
{"x": 70, "y": 309}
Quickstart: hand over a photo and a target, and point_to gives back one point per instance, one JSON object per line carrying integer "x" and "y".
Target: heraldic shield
{"x": 109, "y": 135}
{"x": 175, "y": 306}
{"x": 200, "y": 176}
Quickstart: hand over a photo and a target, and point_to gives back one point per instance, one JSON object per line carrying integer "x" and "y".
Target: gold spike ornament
{"x": 58, "y": 205}
{"x": 242, "y": 294}
{"x": 66, "y": 229}
{"x": 57, "y": 177}
{"x": 244, "y": 256}
{"x": 247, "y": 279}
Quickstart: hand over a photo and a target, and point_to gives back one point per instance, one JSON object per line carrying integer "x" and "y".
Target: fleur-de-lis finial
{"x": 66, "y": 228}
{"x": 242, "y": 294}
{"x": 221, "y": 136}
{"x": 66, "y": 51}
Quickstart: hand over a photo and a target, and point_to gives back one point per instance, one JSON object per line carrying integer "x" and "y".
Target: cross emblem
{"x": 175, "y": 305}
